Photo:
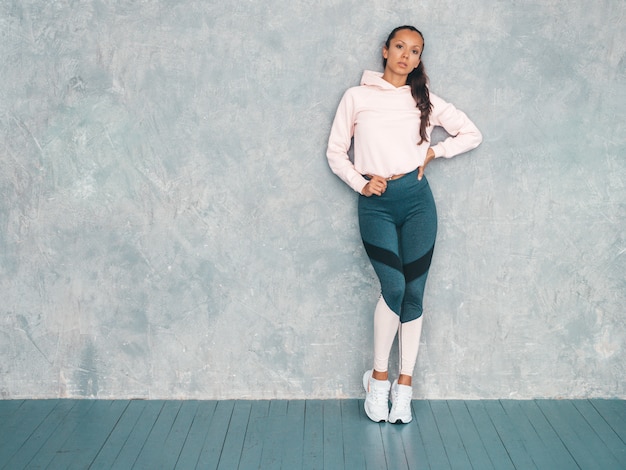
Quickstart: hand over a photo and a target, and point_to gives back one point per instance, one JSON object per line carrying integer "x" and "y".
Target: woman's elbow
{"x": 478, "y": 138}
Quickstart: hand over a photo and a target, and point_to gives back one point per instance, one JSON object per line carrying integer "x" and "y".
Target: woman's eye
{"x": 416, "y": 52}
{"x": 399, "y": 46}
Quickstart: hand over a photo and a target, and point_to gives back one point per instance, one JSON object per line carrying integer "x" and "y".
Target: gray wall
{"x": 169, "y": 227}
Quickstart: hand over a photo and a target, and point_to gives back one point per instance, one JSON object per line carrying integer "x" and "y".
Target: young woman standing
{"x": 391, "y": 117}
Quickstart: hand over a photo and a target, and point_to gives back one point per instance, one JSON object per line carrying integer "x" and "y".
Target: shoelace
{"x": 379, "y": 395}
{"x": 401, "y": 400}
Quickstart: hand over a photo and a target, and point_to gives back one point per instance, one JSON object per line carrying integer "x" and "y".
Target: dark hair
{"x": 418, "y": 81}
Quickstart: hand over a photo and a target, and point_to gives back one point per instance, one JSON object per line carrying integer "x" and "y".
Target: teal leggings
{"x": 398, "y": 230}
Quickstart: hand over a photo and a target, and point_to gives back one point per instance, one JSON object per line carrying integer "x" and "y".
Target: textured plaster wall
{"x": 169, "y": 227}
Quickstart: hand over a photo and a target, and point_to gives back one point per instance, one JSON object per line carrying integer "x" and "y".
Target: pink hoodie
{"x": 384, "y": 122}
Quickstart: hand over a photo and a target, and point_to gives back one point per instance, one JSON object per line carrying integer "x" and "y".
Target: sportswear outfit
{"x": 398, "y": 229}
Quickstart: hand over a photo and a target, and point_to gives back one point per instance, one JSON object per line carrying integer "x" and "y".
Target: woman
{"x": 391, "y": 117}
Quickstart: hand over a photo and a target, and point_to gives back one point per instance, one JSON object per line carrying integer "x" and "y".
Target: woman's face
{"x": 404, "y": 52}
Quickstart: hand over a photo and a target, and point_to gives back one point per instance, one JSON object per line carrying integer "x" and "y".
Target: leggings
{"x": 398, "y": 230}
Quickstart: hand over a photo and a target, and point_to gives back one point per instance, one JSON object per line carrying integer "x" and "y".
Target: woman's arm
{"x": 339, "y": 143}
{"x": 464, "y": 135}
{"x": 430, "y": 156}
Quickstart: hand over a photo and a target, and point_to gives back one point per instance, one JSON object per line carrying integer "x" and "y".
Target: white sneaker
{"x": 401, "y": 396}
{"x": 376, "y": 397}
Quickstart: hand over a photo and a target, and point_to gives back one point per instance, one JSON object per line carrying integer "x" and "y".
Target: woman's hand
{"x": 430, "y": 156}
{"x": 376, "y": 186}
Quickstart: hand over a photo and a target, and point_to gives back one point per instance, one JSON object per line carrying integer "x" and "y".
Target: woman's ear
{"x": 385, "y": 52}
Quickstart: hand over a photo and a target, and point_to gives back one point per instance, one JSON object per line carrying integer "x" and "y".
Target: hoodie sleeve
{"x": 339, "y": 142}
{"x": 464, "y": 135}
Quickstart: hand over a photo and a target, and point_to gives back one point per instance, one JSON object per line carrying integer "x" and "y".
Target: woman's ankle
{"x": 377, "y": 375}
{"x": 405, "y": 380}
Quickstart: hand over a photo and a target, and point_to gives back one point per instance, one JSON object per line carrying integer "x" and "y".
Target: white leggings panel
{"x": 386, "y": 326}
{"x": 409, "y": 334}
{"x": 386, "y": 323}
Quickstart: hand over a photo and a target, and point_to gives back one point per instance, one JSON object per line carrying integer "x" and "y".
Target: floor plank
{"x": 431, "y": 437}
{"x": 313, "y": 446}
{"x": 352, "y": 434}
{"x": 233, "y": 444}
{"x": 196, "y": 437}
{"x": 470, "y": 436}
{"x": 413, "y": 446}
{"x": 83, "y": 444}
{"x": 273, "y": 435}
{"x": 582, "y": 442}
{"x": 8, "y": 408}
{"x": 293, "y": 445}
{"x": 614, "y": 413}
{"x": 333, "y": 438}
{"x": 150, "y": 455}
{"x": 513, "y": 440}
{"x": 111, "y": 449}
{"x": 131, "y": 448}
{"x": 19, "y": 424}
{"x": 492, "y": 441}
{"x": 372, "y": 439}
{"x": 173, "y": 446}
{"x": 311, "y": 434}
{"x": 216, "y": 435}
{"x": 395, "y": 456}
{"x": 563, "y": 460}
{"x": 542, "y": 456}
{"x": 39, "y": 436}
{"x": 252, "y": 450}
{"x": 604, "y": 431}
{"x": 453, "y": 444}
{"x": 72, "y": 420}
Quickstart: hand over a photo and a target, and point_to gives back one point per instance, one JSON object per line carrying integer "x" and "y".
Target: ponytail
{"x": 418, "y": 81}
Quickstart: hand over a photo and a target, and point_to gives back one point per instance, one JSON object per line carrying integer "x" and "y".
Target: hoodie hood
{"x": 371, "y": 78}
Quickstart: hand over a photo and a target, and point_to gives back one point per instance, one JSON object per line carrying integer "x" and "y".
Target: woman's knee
{"x": 394, "y": 296}
{"x": 412, "y": 304}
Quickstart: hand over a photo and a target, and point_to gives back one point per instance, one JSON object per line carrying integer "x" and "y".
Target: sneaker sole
{"x": 400, "y": 421}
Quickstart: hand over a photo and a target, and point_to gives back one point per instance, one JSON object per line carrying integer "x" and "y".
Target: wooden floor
{"x": 311, "y": 434}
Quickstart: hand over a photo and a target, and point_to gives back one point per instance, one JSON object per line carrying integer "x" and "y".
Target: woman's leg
{"x": 386, "y": 323}
{"x": 380, "y": 239}
{"x": 417, "y": 239}
{"x": 402, "y": 390}
{"x": 408, "y": 343}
